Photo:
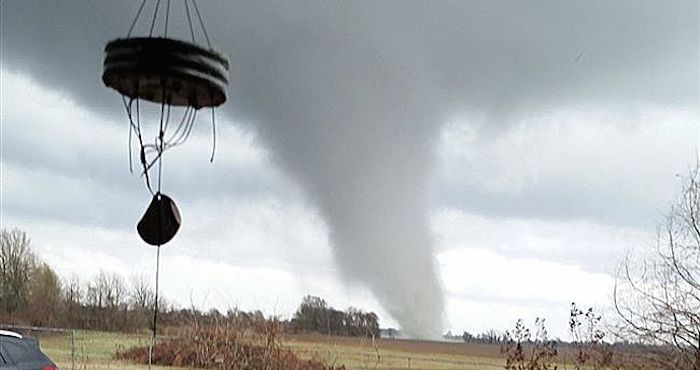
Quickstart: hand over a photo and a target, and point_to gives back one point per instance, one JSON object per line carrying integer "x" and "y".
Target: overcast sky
{"x": 509, "y": 153}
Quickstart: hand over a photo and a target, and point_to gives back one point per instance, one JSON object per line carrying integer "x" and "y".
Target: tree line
{"x": 32, "y": 293}
{"x": 315, "y": 315}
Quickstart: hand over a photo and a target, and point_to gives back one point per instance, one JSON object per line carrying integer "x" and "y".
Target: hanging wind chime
{"x": 172, "y": 75}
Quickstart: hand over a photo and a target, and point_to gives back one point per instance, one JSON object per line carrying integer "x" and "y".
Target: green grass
{"x": 95, "y": 350}
{"x": 359, "y": 355}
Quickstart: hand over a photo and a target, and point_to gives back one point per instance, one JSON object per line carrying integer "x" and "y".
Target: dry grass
{"x": 96, "y": 350}
{"x": 93, "y": 350}
{"x": 227, "y": 345}
{"x": 364, "y": 353}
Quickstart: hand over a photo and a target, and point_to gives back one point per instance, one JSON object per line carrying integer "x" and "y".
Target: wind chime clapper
{"x": 168, "y": 73}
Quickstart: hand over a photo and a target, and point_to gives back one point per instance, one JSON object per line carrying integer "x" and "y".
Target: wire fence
{"x": 80, "y": 349}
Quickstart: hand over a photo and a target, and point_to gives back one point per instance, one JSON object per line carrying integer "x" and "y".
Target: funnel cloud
{"x": 361, "y": 148}
{"x": 342, "y": 117}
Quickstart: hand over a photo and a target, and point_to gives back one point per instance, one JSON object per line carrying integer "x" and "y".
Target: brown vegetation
{"x": 526, "y": 350}
{"x": 234, "y": 342}
{"x": 590, "y": 352}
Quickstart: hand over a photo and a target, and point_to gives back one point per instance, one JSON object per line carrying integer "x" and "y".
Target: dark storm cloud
{"x": 350, "y": 97}
{"x": 488, "y": 55}
{"x": 496, "y": 57}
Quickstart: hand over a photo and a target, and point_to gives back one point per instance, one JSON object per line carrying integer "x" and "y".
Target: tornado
{"x": 355, "y": 126}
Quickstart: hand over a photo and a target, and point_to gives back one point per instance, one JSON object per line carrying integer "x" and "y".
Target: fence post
{"x": 72, "y": 349}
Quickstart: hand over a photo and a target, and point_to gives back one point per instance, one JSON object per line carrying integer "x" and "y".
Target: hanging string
{"x": 161, "y": 135}
{"x": 153, "y": 21}
{"x": 138, "y": 14}
{"x": 167, "y": 114}
{"x": 138, "y": 116}
{"x": 167, "y": 16}
{"x": 189, "y": 20}
{"x": 127, "y": 107}
{"x": 213, "y": 128}
{"x": 142, "y": 154}
{"x": 159, "y": 147}
{"x": 201, "y": 23}
{"x": 155, "y": 309}
{"x": 154, "y": 18}
{"x": 135, "y": 128}
{"x": 183, "y": 131}
{"x": 131, "y": 165}
{"x": 181, "y": 125}
{"x": 179, "y": 136}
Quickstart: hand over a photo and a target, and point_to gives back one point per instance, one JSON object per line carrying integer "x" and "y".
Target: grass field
{"x": 357, "y": 353}
{"x": 94, "y": 350}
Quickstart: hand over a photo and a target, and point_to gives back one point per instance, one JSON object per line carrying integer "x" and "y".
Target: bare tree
{"x": 17, "y": 262}
{"x": 73, "y": 291}
{"x": 141, "y": 294}
{"x": 96, "y": 294}
{"x": 659, "y": 299}
{"x": 116, "y": 292}
{"x": 73, "y": 294}
{"x": 45, "y": 296}
{"x": 141, "y": 298}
